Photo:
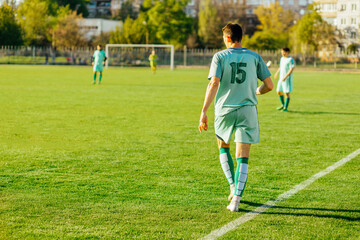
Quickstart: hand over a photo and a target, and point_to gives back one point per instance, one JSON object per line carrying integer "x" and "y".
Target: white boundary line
{"x": 250, "y": 215}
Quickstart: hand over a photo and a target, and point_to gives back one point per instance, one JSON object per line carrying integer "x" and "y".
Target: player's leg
{"x": 155, "y": 66}
{"x": 241, "y": 174}
{"x": 287, "y": 102}
{"x": 227, "y": 165}
{"x": 242, "y": 158}
{"x": 224, "y": 126}
{"x": 246, "y": 133}
{"x": 94, "y": 76}
{"x": 287, "y": 90}
{"x": 100, "y": 76}
{"x": 152, "y": 66}
{"x": 280, "y": 93}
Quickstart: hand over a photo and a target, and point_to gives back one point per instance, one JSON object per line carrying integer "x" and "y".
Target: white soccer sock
{"x": 241, "y": 177}
{"x": 224, "y": 161}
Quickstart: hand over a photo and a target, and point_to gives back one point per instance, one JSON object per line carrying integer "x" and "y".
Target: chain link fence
{"x": 183, "y": 57}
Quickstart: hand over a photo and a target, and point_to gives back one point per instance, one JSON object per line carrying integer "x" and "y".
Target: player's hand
{"x": 92, "y": 63}
{"x": 276, "y": 75}
{"x": 104, "y": 63}
{"x": 203, "y": 122}
{"x": 284, "y": 79}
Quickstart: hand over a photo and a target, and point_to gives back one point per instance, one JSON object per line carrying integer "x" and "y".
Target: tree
{"x": 80, "y": 6}
{"x": 312, "y": 32}
{"x": 352, "y": 48}
{"x": 35, "y": 19}
{"x": 132, "y": 32}
{"x": 103, "y": 38}
{"x": 67, "y": 33}
{"x": 168, "y": 22}
{"x": 265, "y": 40}
{"x": 232, "y": 11}
{"x": 127, "y": 10}
{"x": 10, "y": 31}
{"x": 274, "y": 18}
{"x": 274, "y": 27}
{"x": 209, "y": 25}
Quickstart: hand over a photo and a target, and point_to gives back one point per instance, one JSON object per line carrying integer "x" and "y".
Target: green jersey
{"x": 286, "y": 63}
{"x": 99, "y": 57}
{"x": 238, "y": 70}
{"x": 153, "y": 57}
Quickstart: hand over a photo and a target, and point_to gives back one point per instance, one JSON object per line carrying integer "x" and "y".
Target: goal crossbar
{"x": 142, "y": 45}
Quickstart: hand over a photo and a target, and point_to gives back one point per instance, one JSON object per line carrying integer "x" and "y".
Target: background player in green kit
{"x": 99, "y": 59}
{"x": 285, "y": 85}
{"x": 153, "y": 61}
{"x": 233, "y": 76}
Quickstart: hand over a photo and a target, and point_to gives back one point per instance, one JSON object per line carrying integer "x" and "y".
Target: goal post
{"x": 153, "y": 46}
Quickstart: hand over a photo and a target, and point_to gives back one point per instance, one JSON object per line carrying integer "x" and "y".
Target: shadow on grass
{"x": 323, "y": 113}
{"x": 317, "y": 212}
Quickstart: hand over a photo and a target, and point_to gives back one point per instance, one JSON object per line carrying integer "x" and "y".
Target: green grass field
{"x": 124, "y": 160}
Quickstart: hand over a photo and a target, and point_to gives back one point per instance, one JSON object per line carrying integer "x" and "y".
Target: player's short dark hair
{"x": 234, "y": 31}
{"x": 286, "y": 49}
{"x": 99, "y": 45}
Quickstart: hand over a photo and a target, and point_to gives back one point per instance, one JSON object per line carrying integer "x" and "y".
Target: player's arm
{"x": 267, "y": 86}
{"x": 105, "y": 58}
{"x": 288, "y": 73}
{"x": 93, "y": 59}
{"x": 211, "y": 91}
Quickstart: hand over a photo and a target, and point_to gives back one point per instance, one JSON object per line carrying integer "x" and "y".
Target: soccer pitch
{"x": 125, "y": 160}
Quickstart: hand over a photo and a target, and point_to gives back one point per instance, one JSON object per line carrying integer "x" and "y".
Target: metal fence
{"x": 139, "y": 57}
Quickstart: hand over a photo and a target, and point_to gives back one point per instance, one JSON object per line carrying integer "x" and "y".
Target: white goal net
{"x": 138, "y": 54}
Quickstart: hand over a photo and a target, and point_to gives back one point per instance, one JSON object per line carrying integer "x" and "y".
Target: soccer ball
{"x": 268, "y": 64}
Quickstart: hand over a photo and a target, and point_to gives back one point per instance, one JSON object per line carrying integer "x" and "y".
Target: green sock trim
{"x": 94, "y": 77}
{"x": 282, "y": 99}
{"x": 242, "y": 160}
{"x": 100, "y": 76}
{"x": 224, "y": 150}
{"x": 287, "y": 101}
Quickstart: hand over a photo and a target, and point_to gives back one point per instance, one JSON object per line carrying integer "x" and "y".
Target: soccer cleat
{"x": 234, "y": 204}
{"x": 280, "y": 108}
{"x": 232, "y": 191}
{"x": 285, "y": 110}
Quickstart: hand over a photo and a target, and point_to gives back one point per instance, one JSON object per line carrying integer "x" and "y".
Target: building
{"x": 95, "y": 26}
{"x": 348, "y": 21}
{"x": 345, "y": 16}
{"x": 110, "y": 8}
{"x": 298, "y": 6}
{"x": 99, "y": 8}
{"x": 116, "y": 6}
{"x": 328, "y": 10}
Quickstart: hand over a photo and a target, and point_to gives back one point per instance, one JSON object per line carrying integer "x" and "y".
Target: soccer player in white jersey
{"x": 233, "y": 76}
{"x": 99, "y": 59}
{"x": 285, "y": 83}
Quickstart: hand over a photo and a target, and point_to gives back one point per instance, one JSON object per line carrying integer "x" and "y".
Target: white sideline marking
{"x": 250, "y": 215}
